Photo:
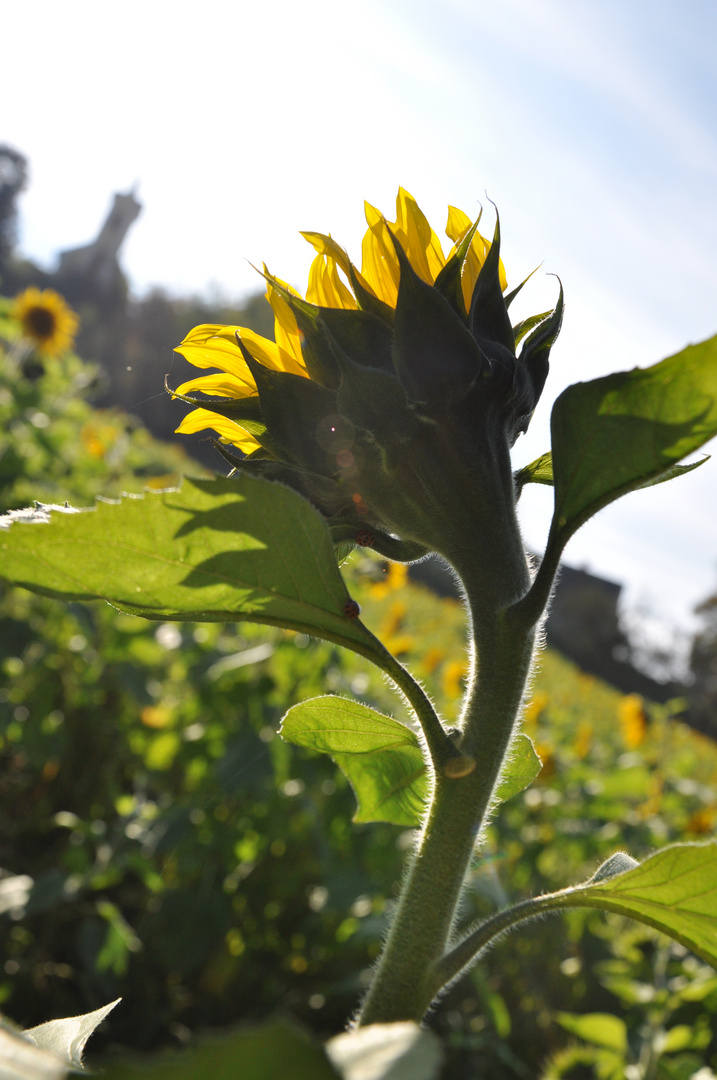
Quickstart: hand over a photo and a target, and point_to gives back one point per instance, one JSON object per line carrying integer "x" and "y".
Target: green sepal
{"x": 362, "y": 336}
{"x": 295, "y": 409}
{"x": 359, "y": 534}
{"x": 510, "y": 297}
{"x": 448, "y": 281}
{"x": 246, "y": 408}
{"x": 434, "y": 355}
{"x": 526, "y": 325}
{"x": 324, "y": 494}
{"x": 315, "y": 349}
{"x": 488, "y": 316}
{"x": 367, "y": 301}
{"x": 536, "y": 350}
{"x": 374, "y": 401}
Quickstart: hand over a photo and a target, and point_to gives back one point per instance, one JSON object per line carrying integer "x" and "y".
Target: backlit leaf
{"x": 212, "y": 550}
{"x": 626, "y": 430}
{"x": 382, "y": 758}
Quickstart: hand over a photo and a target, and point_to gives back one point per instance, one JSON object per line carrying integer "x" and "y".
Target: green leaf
{"x": 539, "y": 471}
{"x": 600, "y": 1029}
{"x": 401, "y": 1051}
{"x": 20, "y": 1059}
{"x": 624, "y": 431}
{"x": 521, "y": 768}
{"x": 526, "y": 325}
{"x": 213, "y": 550}
{"x": 675, "y": 891}
{"x": 382, "y": 758}
{"x": 66, "y": 1038}
{"x": 265, "y": 1053}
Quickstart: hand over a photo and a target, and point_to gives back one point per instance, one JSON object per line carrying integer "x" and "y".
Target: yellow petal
{"x": 263, "y": 350}
{"x": 458, "y": 224}
{"x": 325, "y": 287}
{"x": 220, "y": 352}
{"x": 417, "y": 238}
{"x": 326, "y": 245}
{"x": 220, "y": 385}
{"x": 286, "y": 331}
{"x": 203, "y": 419}
{"x": 379, "y": 263}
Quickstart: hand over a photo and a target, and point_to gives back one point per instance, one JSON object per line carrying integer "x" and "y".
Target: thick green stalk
{"x": 405, "y": 981}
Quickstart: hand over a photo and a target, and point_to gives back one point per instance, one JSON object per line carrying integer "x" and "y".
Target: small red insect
{"x": 364, "y": 538}
{"x": 351, "y": 609}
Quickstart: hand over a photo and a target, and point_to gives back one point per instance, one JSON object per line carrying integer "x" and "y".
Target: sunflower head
{"x": 46, "y": 320}
{"x": 392, "y": 394}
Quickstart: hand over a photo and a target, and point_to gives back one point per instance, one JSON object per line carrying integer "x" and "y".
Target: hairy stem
{"x": 405, "y": 982}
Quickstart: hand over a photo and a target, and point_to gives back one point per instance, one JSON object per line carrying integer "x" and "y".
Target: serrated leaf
{"x": 65, "y": 1039}
{"x": 382, "y": 758}
{"x": 20, "y": 1059}
{"x": 266, "y": 1053}
{"x": 618, "y": 433}
{"x": 600, "y": 1029}
{"x": 213, "y": 550}
{"x": 674, "y": 890}
{"x": 401, "y": 1051}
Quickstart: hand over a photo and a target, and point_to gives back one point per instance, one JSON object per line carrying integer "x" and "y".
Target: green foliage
{"x": 381, "y": 757}
{"x": 159, "y": 840}
{"x": 618, "y": 433}
{"x": 261, "y": 1054}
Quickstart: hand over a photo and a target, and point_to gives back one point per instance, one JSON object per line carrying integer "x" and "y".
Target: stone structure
{"x": 93, "y": 272}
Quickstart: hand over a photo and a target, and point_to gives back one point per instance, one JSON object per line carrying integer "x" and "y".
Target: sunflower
{"x": 392, "y": 394}
{"x": 213, "y": 346}
{"x": 46, "y": 320}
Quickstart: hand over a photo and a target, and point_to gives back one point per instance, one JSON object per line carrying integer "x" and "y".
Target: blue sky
{"x": 593, "y": 126}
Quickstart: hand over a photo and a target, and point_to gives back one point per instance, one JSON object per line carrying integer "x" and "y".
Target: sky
{"x": 592, "y": 126}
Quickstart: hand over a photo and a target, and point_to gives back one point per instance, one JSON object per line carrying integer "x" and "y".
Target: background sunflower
{"x": 46, "y": 320}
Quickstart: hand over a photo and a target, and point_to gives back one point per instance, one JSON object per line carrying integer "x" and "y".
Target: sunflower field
{"x": 160, "y": 843}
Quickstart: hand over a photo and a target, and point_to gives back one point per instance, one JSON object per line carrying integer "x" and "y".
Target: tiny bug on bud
{"x": 351, "y": 609}
{"x": 364, "y": 538}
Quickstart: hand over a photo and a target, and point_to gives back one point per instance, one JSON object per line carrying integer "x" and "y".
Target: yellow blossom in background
{"x": 46, "y": 320}
{"x": 394, "y": 578}
{"x": 703, "y": 821}
{"x": 535, "y": 707}
{"x": 432, "y": 658}
{"x": 454, "y": 675}
{"x": 583, "y": 740}
{"x": 393, "y": 620}
{"x": 633, "y": 721}
{"x": 214, "y": 346}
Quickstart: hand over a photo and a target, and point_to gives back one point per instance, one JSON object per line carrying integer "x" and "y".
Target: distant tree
{"x": 13, "y": 175}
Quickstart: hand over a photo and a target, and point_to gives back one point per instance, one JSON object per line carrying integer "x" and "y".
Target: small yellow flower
{"x": 633, "y": 721}
{"x": 46, "y": 320}
{"x": 535, "y": 707}
{"x": 583, "y": 740}
{"x": 454, "y": 675}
